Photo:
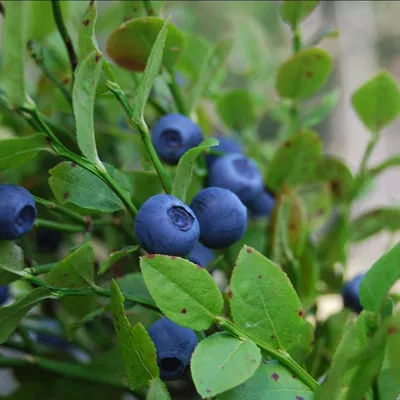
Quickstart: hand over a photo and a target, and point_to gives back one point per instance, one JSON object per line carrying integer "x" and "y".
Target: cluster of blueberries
{"x": 216, "y": 218}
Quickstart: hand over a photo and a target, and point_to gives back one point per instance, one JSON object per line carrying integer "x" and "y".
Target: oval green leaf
{"x": 303, "y": 74}
{"x": 11, "y": 262}
{"x": 377, "y": 102}
{"x": 295, "y": 11}
{"x": 222, "y": 362}
{"x": 129, "y": 46}
{"x": 263, "y": 301}
{"x": 270, "y": 381}
{"x": 186, "y": 294}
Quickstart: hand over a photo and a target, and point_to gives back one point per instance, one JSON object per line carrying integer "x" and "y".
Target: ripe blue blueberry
{"x": 173, "y": 135}
{"x": 17, "y": 211}
{"x": 226, "y": 145}
{"x": 174, "y": 346}
{"x": 201, "y": 255}
{"x": 239, "y": 174}
{"x": 351, "y": 293}
{"x": 165, "y": 225}
{"x": 221, "y": 215}
{"x": 262, "y": 205}
{"x": 4, "y": 293}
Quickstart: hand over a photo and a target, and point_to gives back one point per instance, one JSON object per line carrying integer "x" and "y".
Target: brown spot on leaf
{"x": 392, "y": 330}
{"x": 66, "y": 195}
{"x": 318, "y": 56}
{"x": 65, "y": 81}
{"x": 275, "y": 377}
{"x": 294, "y": 376}
{"x": 183, "y": 311}
{"x": 253, "y": 361}
{"x": 300, "y": 313}
{"x": 97, "y": 58}
{"x": 320, "y": 212}
{"x": 273, "y": 337}
{"x": 150, "y": 256}
{"x": 369, "y": 334}
{"x": 73, "y": 165}
{"x": 259, "y": 276}
{"x": 249, "y": 250}
{"x": 52, "y": 205}
{"x": 85, "y": 22}
{"x": 208, "y": 390}
{"x": 309, "y": 74}
{"x": 230, "y": 294}
{"x": 151, "y": 11}
{"x": 173, "y": 257}
{"x": 287, "y": 144}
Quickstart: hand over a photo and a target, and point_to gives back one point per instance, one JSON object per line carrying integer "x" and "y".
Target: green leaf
{"x": 373, "y": 222}
{"x": 270, "y": 381}
{"x": 114, "y": 257}
{"x": 237, "y": 110}
{"x": 303, "y": 74}
{"x": 389, "y": 386}
{"x": 11, "y": 262}
{"x": 83, "y": 98}
{"x": 157, "y": 391}
{"x": 11, "y": 316}
{"x": 71, "y": 183}
{"x": 379, "y": 279}
{"x": 137, "y": 348}
{"x": 15, "y": 152}
{"x": 134, "y": 284}
{"x": 153, "y": 65}
{"x": 12, "y": 71}
{"x": 377, "y": 102}
{"x": 294, "y": 12}
{"x": 263, "y": 301}
{"x": 295, "y": 161}
{"x": 323, "y": 109}
{"x": 75, "y": 271}
{"x": 145, "y": 184}
{"x": 209, "y": 69}
{"x": 186, "y": 166}
{"x": 324, "y": 32}
{"x": 130, "y": 45}
{"x": 393, "y": 346}
{"x": 170, "y": 282}
{"x": 220, "y": 362}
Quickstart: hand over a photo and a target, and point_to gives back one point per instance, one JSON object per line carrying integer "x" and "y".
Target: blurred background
{"x": 368, "y": 41}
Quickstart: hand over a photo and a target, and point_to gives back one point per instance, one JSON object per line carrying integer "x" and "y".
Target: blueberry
{"x": 49, "y": 338}
{"x": 221, "y": 215}
{"x": 201, "y": 255}
{"x": 173, "y": 135}
{"x": 17, "y": 212}
{"x": 4, "y": 293}
{"x": 226, "y": 145}
{"x": 174, "y": 346}
{"x": 165, "y": 225}
{"x": 351, "y": 293}
{"x": 262, "y": 205}
{"x": 239, "y": 174}
{"x": 48, "y": 240}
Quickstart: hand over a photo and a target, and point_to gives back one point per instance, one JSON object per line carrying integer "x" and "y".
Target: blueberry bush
{"x": 154, "y": 243}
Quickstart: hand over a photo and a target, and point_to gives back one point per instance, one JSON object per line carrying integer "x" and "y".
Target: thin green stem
{"x": 40, "y": 269}
{"x": 177, "y": 94}
{"x": 294, "y": 109}
{"x": 59, "y": 128}
{"x": 64, "y": 35}
{"x": 58, "y": 226}
{"x": 144, "y": 133}
{"x": 282, "y": 356}
{"x": 393, "y": 161}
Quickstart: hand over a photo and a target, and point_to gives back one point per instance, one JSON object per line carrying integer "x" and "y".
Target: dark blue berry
{"x": 173, "y": 135}
{"x": 174, "y": 346}
{"x": 17, "y": 212}
{"x": 226, "y": 145}
{"x": 201, "y": 255}
{"x": 49, "y": 338}
{"x": 262, "y": 205}
{"x": 221, "y": 215}
{"x": 165, "y": 225}
{"x": 239, "y": 174}
{"x": 4, "y": 294}
{"x": 351, "y": 293}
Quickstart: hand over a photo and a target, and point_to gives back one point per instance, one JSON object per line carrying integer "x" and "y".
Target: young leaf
{"x": 295, "y": 161}
{"x": 377, "y": 102}
{"x": 137, "y": 348}
{"x": 11, "y": 316}
{"x": 17, "y": 151}
{"x": 186, "y": 166}
{"x": 170, "y": 281}
{"x": 72, "y": 184}
{"x": 373, "y": 222}
{"x": 157, "y": 390}
{"x": 304, "y": 74}
{"x": 152, "y": 65}
{"x": 294, "y": 12}
{"x": 83, "y": 98}
{"x": 114, "y": 257}
{"x": 237, "y": 109}
{"x": 130, "y": 45}
{"x": 379, "y": 279}
{"x": 270, "y": 381}
{"x": 12, "y": 71}
{"x": 11, "y": 262}
{"x": 75, "y": 271}
{"x": 263, "y": 301}
{"x": 222, "y": 362}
